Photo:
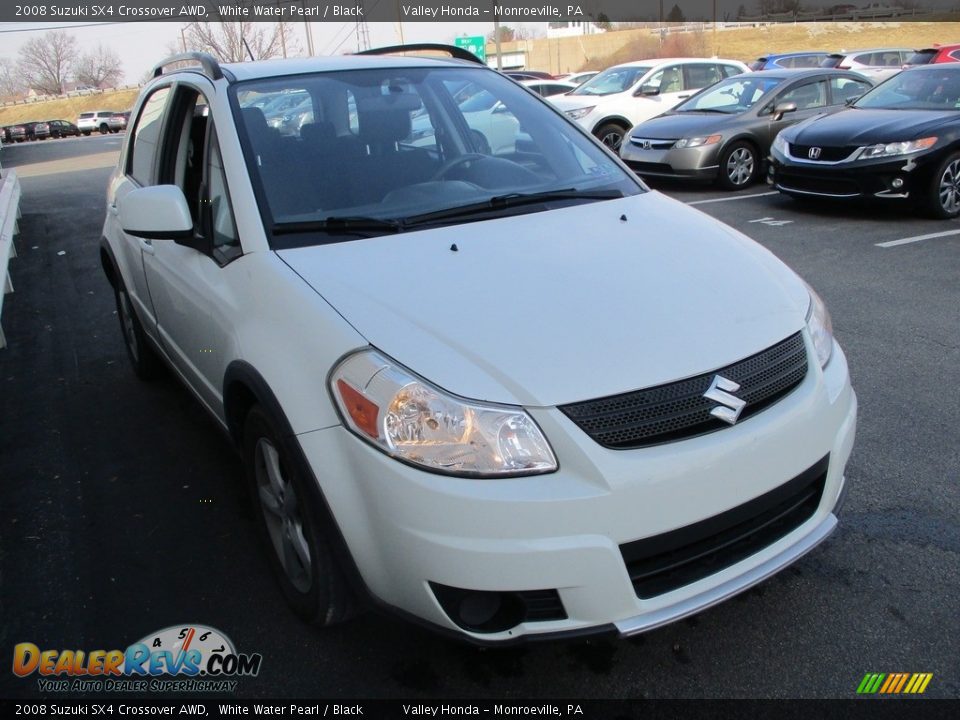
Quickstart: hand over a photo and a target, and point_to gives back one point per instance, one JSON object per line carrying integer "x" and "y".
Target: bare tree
{"x": 225, "y": 40}
{"x": 45, "y": 62}
{"x": 100, "y": 68}
{"x": 11, "y": 84}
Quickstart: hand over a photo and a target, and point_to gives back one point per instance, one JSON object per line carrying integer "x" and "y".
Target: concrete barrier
{"x": 9, "y": 214}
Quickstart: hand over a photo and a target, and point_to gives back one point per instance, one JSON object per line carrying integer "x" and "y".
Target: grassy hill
{"x": 67, "y": 108}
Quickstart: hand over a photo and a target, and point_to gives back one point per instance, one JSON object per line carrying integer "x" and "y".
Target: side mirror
{"x": 499, "y": 108}
{"x": 649, "y": 89}
{"x": 782, "y": 109}
{"x": 851, "y": 101}
{"x": 159, "y": 212}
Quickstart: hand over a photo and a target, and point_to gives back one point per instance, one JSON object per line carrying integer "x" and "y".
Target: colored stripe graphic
{"x": 894, "y": 683}
{"x": 870, "y": 683}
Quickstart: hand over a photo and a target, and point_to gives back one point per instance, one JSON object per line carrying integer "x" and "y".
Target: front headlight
{"x": 579, "y": 112}
{"x": 820, "y": 327}
{"x": 409, "y": 419}
{"x": 780, "y": 144}
{"x": 897, "y": 148}
{"x": 697, "y": 141}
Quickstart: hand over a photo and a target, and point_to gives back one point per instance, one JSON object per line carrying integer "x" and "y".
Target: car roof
{"x": 845, "y": 53}
{"x": 940, "y": 48}
{"x": 260, "y": 69}
{"x": 654, "y": 62}
{"x": 775, "y": 56}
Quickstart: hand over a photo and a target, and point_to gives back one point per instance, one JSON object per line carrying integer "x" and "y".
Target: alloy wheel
{"x": 740, "y": 166}
{"x": 282, "y": 514}
{"x": 126, "y": 320}
{"x": 950, "y": 188}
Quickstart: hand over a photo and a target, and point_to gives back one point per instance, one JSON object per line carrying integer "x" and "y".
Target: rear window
{"x": 921, "y": 57}
{"x": 86, "y": 116}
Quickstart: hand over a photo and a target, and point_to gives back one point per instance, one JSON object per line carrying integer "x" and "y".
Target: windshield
{"x": 920, "y": 89}
{"x": 377, "y": 151}
{"x": 612, "y": 80}
{"x": 731, "y": 96}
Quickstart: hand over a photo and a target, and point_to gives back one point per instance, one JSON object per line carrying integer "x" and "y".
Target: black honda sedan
{"x": 900, "y": 141}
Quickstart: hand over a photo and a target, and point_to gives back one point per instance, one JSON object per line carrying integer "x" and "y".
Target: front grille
{"x": 678, "y": 410}
{"x": 663, "y": 563}
{"x": 652, "y": 143}
{"x": 827, "y": 154}
{"x": 819, "y": 185}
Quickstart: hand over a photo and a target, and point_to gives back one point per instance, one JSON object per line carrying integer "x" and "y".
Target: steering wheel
{"x": 449, "y": 165}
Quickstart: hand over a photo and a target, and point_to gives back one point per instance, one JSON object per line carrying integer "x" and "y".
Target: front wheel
{"x": 144, "y": 359}
{"x": 611, "y": 135}
{"x": 291, "y": 525}
{"x": 942, "y": 200}
{"x": 738, "y": 166}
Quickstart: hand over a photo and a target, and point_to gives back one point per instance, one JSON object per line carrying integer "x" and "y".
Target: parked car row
{"x": 39, "y": 130}
{"x": 102, "y": 121}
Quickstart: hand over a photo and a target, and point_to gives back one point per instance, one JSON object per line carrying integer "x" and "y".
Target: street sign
{"x": 473, "y": 43}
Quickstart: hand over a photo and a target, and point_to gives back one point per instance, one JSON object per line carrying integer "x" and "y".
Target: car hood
{"x": 564, "y": 305}
{"x": 685, "y": 124}
{"x": 854, "y": 126}
{"x": 575, "y": 102}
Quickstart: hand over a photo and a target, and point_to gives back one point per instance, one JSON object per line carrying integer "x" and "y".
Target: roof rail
{"x": 211, "y": 68}
{"x": 454, "y": 51}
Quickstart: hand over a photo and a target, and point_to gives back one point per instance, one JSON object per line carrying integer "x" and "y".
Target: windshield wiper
{"x": 502, "y": 202}
{"x": 706, "y": 110}
{"x": 347, "y": 225}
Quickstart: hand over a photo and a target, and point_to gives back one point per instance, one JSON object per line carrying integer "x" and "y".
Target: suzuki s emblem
{"x": 814, "y": 153}
{"x": 730, "y": 406}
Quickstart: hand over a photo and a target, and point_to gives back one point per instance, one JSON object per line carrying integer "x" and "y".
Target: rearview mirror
{"x": 782, "y": 109}
{"x": 158, "y": 212}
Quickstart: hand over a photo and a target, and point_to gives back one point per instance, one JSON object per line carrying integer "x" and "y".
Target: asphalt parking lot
{"x": 121, "y": 512}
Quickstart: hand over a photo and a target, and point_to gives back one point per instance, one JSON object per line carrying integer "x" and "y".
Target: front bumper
{"x": 410, "y": 531}
{"x": 891, "y": 178}
{"x": 697, "y": 162}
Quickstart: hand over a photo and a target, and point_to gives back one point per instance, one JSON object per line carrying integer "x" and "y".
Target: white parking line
{"x": 917, "y": 238}
{"x": 735, "y": 197}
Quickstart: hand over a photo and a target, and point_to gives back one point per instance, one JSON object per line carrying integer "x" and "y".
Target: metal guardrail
{"x": 9, "y": 214}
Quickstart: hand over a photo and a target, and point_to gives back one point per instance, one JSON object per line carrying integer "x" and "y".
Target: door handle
{"x": 683, "y": 97}
{"x": 146, "y": 246}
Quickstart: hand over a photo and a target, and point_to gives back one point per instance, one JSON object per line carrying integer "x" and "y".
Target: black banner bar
{"x": 874, "y": 708}
{"x": 599, "y": 12}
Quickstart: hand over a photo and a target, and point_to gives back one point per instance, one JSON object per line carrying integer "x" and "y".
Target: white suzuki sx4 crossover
{"x": 499, "y": 387}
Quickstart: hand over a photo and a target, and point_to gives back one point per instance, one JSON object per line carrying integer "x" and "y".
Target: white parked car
{"x": 94, "y": 121}
{"x": 622, "y": 96}
{"x": 876, "y": 64}
{"x": 513, "y": 395}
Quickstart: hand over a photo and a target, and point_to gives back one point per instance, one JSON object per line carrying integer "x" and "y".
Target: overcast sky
{"x": 142, "y": 45}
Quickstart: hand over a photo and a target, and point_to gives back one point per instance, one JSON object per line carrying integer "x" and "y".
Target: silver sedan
{"x": 724, "y": 132}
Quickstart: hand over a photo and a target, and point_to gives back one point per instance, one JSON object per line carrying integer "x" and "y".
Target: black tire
{"x": 86, "y": 133}
{"x": 942, "y": 198}
{"x": 315, "y": 587}
{"x": 611, "y": 135}
{"x": 146, "y": 363}
{"x": 739, "y": 166}
{"x": 104, "y": 129}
